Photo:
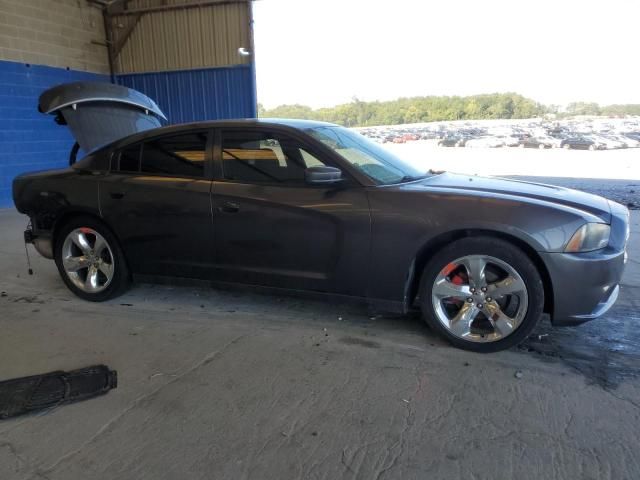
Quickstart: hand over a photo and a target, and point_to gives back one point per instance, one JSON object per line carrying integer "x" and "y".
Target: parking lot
{"x": 572, "y": 164}
{"x": 234, "y": 384}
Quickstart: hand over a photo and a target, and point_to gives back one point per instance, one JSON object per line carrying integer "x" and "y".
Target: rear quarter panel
{"x": 48, "y": 196}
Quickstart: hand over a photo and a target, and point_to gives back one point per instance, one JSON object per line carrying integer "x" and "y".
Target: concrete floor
{"x": 227, "y": 384}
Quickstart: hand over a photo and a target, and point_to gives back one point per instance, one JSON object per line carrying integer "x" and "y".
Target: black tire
{"x": 501, "y": 250}
{"x": 121, "y": 277}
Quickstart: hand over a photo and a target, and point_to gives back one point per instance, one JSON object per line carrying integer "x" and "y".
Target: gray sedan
{"x": 310, "y": 206}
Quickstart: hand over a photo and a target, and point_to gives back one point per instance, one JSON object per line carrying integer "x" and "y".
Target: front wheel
{"x": 482, "y": 294}
{"x": 90, "y": 260}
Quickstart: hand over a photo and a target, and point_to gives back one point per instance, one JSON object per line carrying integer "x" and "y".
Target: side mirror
{"x": 322, "y": 175}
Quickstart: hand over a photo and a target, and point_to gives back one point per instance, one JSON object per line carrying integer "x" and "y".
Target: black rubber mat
{"x": 29, "y": 394}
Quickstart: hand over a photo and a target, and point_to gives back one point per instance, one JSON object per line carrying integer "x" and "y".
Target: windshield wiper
{"x": 411, "y": 178}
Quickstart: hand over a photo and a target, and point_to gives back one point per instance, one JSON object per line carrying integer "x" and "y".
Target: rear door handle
{"x": 117, "y": 195}
{"x": 229, "y": 207}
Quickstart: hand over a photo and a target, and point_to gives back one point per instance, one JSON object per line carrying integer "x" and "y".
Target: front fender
{"x": 404, "y": 222}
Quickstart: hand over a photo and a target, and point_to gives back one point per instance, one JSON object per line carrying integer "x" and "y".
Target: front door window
{"x": 265, "y": 158}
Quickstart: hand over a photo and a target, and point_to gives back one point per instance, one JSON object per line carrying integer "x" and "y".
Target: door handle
{"x": 117, "y": 195}
{"x": 229, "y": 207}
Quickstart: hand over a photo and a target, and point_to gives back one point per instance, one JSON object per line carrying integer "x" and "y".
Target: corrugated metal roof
{"x": 186, "y": 38}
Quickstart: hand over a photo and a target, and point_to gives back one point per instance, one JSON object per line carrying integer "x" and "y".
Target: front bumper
{"x": 585, "y": 285}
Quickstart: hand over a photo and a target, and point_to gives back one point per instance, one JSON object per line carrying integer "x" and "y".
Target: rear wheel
{"x": 566, "y": 146}
{"x": 90, "y": 260}
{"x": 482, "y": 294}
{"x": 541, "y": 146}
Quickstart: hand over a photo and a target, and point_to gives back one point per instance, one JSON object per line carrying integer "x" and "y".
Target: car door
{"x": 272, "y": 228}
{"x": 157, "y": 200}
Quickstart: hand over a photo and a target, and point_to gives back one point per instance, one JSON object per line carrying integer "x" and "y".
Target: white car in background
{"x": 631, "y": 142}
{"x": 509, "y": 140}
{"x": 550, "y": 141}
{"x": 628, "y": 141}
{"x": 608, "y": 142}
{"x": 484, "y": 142}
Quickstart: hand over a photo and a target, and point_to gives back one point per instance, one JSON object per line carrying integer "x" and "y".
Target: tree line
{"x": 359, "y": 113}
{"x": 590, "y": 108}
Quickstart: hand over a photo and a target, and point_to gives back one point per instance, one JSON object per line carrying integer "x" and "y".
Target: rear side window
{"x": 129, "y": 159}
{"x": 95, "y": 161}
{"x": 179, "y": 155}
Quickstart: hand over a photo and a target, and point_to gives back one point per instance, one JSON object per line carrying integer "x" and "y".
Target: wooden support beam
{"x": 124, "y": 36}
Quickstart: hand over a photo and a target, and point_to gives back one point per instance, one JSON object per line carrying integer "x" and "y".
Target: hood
{"x": 100, "y": 113}
{"x": 567, "y": 197}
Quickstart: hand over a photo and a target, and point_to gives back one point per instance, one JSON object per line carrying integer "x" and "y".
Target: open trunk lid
{"x": 100, "y": 113}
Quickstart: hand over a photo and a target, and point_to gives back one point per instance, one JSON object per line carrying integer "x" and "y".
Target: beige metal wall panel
{"x": 56, "y": 33}
{"x": 181, "y": 39}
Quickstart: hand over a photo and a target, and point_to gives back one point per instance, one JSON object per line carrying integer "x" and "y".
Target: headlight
{"x": 591, "y": 236}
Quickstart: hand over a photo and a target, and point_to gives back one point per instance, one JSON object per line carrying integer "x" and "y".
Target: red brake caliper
{"x": 457, "y": 279}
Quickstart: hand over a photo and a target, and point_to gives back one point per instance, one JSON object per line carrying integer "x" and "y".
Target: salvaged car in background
{"x": 311, "y": 206}
{"x": 539, "y": 141}
{"x": 453, "y": 141}
{"x": 485, "y": 142}
{"x": 581, "y": 142}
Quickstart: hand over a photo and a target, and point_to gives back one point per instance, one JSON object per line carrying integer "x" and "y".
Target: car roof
{"x": 264, "y": 122}
{"x": 296, "y": 123}
{"x": 249, "y": 122}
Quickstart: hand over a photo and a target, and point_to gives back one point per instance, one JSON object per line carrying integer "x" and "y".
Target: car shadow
{"x": 277, "y": 307}
{"x": 606, "y": 350}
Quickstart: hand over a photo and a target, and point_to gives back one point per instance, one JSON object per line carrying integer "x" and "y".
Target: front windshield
{"x": 374, "y": 161}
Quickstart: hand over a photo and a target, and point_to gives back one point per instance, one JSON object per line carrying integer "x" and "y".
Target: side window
{"x": 179, "y": 155}
{"x": 129, "y": 159}
{"x": 262, "y": 157}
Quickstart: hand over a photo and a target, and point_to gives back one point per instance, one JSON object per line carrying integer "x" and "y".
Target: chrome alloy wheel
{"x": 87, "y": 260}
{"x": 479, "y": 298}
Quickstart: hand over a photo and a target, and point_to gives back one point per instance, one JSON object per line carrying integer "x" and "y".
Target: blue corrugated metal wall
{"x": 30, "y": 140}
{"x": 202, "y": 94}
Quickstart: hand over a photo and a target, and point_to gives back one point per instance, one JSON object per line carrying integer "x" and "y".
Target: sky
{"x": 325, "y": 52}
